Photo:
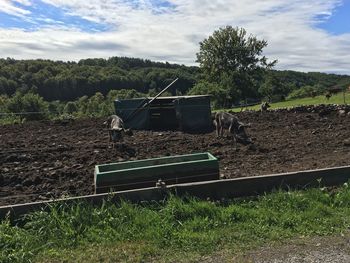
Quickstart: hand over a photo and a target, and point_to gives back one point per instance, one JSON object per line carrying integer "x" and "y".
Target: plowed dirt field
{"x": 43, "y": 160}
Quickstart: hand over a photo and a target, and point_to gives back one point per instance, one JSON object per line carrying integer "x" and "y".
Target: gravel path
{"x": 314, "y": 250}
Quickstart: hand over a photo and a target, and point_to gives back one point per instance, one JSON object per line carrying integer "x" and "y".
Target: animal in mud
{"x": 116, "y": 130}
{"x": 224, "y": 120}
{"x": 264, "y": 106}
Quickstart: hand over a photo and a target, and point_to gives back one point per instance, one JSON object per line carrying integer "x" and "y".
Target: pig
{"x": 224, "y": 120}
{"x": 264, "y": 106}
{"x": 116, "y": 130}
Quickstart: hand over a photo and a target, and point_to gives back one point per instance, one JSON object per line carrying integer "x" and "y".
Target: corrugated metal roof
{"x": 173, "y": 97}
{"x": 182, "y": 97}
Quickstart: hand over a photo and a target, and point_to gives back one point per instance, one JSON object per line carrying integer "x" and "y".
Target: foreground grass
{"x": 175, "y": 230}
{"x": 335, "y": 99}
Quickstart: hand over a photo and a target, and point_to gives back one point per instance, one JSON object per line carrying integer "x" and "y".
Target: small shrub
{"x": 304, "y": 92}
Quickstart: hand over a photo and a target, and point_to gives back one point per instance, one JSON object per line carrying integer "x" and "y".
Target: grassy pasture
{"x": 335, "y": 99}
{"x": 177, "y": 230}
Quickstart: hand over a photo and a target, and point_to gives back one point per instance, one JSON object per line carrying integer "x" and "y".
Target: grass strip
{"x": 177, "y": 229}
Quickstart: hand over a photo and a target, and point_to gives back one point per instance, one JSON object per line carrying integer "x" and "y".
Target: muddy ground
{"x": 42, "y": 160}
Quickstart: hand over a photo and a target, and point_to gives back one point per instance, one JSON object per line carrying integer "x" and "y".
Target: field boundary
{"x": 217, "y": 189}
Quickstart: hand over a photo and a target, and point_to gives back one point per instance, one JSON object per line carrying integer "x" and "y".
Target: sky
{"x": 303, "y": 35}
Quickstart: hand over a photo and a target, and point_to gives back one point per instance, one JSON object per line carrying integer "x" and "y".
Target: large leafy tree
{"x": 31, "y": 104}
{"x": 234, "y": 60}
{"x": 218, "y": 94}
{"x": 273, "y": 88}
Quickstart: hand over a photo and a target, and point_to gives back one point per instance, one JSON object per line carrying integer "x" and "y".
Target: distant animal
{"x": 224, "y": 120}
{"x": 116, "y": 130}
{"x": 328, "y": 95}
{"x": 331, "y": 91}
{"x": 264, "y": 106}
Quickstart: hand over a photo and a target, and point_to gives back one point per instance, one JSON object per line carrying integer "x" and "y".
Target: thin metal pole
{"x": 137, "y": 110}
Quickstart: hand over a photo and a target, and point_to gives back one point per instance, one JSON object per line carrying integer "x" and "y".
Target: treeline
{"x": 281, "y": 85}
{"x": 30, "y": 106}
{"x": 69, "y": 81}
{"x": 65, "y": 81}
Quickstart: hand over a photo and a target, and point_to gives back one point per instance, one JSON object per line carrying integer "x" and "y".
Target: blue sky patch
{"x": 162, "y": 3}
{"x": 43, "y": 15}
{"x": 162, "y": 6}
{"x": 339, "y": 22}
{"x": 158, "y": 6}
{"x": 10, "y": 21}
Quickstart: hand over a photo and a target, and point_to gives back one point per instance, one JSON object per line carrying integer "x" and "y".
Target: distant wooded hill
{"x": 65, "y": 81}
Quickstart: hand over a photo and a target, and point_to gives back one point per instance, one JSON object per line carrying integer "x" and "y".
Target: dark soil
{"x": 43, "y": 160}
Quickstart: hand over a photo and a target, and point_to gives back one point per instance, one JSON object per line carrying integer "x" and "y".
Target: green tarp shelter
{"x": 186, "y": 113}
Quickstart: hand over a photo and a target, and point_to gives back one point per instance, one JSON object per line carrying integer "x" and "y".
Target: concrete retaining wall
{"x": 217, "y": 189}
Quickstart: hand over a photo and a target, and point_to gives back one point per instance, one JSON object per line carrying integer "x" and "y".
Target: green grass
{"x": 335, "y": 99}
{"x": 175, "y": 230}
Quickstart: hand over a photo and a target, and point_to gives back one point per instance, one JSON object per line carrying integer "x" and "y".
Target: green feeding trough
{"x": 146, "y": 173}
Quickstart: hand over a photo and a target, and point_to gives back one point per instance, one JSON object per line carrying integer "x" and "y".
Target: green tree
{"x": 82, "y": 104}
{"x": 95, "y": 105}
{"x": 220, "y": 96}
{"x": 15, "y": 104}
{"x": 233, "y": 59}
{"x": 306, "y": 91}
{"x": 30, "y": 106}
{"x": 70, "y": 107}
{"x": 123, "y": 94}
{"x": 3, "y": 103}
{"x": 152, "y": 92}
{"x": 273, "y": 88}
{"x": 55, "y": 108}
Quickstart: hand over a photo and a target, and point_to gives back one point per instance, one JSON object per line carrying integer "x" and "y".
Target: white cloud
{"x": 9, "y": 7}
{"x": 141, "y": 29}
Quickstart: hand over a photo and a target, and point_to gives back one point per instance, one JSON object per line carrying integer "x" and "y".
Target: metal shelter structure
{"x": 186, "y": 113}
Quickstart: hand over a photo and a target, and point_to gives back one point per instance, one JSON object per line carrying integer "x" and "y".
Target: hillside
{"x": 65, "y": 81}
